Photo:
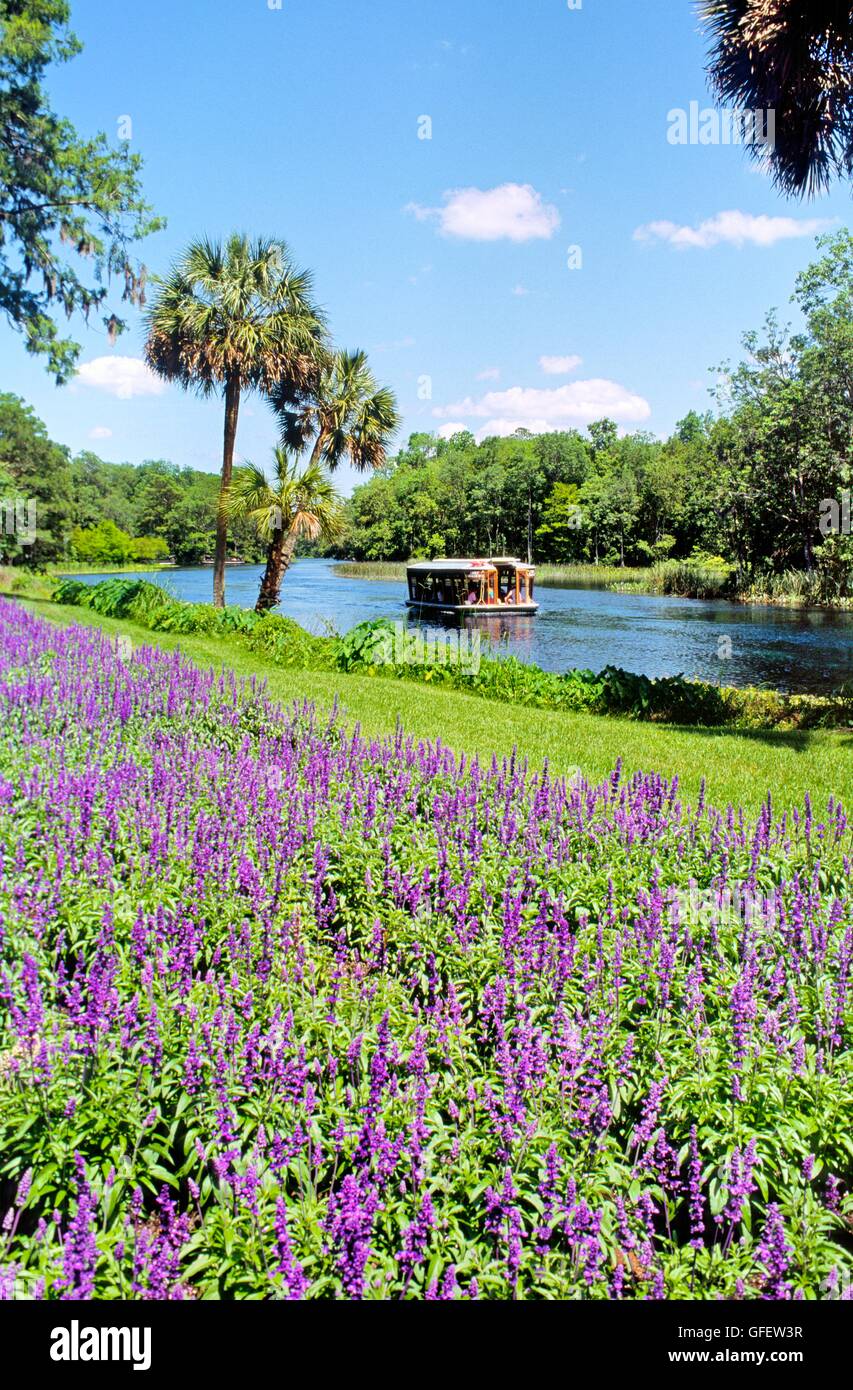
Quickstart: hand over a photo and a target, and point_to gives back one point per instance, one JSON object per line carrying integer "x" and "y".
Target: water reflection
{"x": 500, "y": 633}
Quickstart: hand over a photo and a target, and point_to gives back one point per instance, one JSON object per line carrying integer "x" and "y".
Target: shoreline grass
{"x": 74, "y": 571}
{"x": 559, "y": 576}
{"x": 666, "y": 579}
{"x": 740, "y": 767}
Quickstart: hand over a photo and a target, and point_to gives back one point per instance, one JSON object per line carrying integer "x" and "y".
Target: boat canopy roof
{"x": 447, "y": 566}
{"x": 464, "y": 566}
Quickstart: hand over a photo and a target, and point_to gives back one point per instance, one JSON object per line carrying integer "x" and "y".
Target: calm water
{"x": 777, "y": 647}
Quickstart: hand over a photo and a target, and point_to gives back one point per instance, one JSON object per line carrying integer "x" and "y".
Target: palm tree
{"x": 292, "y": 505}
{"x": 235, "y": 318}
{"x": 795, "y": 59}
{"x": 345, "y": 416}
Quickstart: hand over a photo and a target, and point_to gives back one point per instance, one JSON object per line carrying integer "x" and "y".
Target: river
{"x": 736, "y": 644}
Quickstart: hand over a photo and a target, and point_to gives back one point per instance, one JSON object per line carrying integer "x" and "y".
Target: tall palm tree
{"x": 346, "y": 415}
{"x": 235, "y": 318}
{"x": 294, "y": 504}
{"x": 793, "y": 57}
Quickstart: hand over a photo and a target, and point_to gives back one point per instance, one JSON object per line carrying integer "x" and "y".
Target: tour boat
{"x": 500, "y": 585}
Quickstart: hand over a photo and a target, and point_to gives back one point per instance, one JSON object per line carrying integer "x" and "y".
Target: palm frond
{"x": 241, "y": 311}
{"x": 794, "y": 59}
{"x": 344, "y": 414}
{"x": 305, "y": 503}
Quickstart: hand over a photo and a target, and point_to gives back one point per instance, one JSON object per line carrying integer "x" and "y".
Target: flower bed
{"x": 287, "y": 1013}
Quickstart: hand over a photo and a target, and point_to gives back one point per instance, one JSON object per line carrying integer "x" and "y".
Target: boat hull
{"x": 481, "y": 610}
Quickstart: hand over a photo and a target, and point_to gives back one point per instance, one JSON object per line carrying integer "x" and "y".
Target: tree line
{"x": 92, "y": 511}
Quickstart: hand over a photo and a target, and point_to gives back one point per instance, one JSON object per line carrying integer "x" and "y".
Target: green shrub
{"x": 366, "y": 645}
{"x": 699, "y": 576}
{"x": 73, "y": 592}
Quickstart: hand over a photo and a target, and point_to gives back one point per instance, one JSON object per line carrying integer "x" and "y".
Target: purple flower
{"x": 293, "y": 1278}
{"x": 79, "y": 1251}
{"x": 774, "y": 1253}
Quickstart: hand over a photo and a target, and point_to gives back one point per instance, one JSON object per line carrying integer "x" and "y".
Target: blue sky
{"x": 446, "y": 259}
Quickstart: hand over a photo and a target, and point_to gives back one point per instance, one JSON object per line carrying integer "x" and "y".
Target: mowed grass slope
{"x": 738, "y": 767}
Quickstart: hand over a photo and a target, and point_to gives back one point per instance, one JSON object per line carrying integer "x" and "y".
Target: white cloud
{"x": 448, "y": 431}
{"x": 399, "y": 345}
{"x": 489, "y": 374}
{"x": 520, "y": 291}
{"x": 559, "y": 366}
{"x": 510, "y": 212}
{"x": 100, "y": 432}
{"x": 562, "y": 407}
{"x": 124, "y": 377}
{"x": 734, "y": 229}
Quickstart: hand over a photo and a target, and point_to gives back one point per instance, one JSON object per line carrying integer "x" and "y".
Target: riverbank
{"x": 391, "y": 650}
{"x": 735, "y": 766}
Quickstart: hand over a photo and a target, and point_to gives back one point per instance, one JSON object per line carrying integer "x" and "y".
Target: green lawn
{"x": 738, "y": 766}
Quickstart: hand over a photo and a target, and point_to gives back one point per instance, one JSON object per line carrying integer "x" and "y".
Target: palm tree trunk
{"x": 279, "y": 556}
{"x": 232, "y": 408}
{"x": 271, "y": 582}
{"x": 318, "y": 447}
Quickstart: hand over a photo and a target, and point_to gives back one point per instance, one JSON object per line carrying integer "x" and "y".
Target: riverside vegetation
{"x": 367, "y": 648}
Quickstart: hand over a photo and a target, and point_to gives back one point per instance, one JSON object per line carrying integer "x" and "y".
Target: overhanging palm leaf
{"x": 792, "y": 57}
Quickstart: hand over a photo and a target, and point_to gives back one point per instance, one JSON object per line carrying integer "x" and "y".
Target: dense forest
{"x": 759, "y": 485}
{"x": 107, "y": 513}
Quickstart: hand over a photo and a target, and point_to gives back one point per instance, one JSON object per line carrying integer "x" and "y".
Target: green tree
{"x": 39, "y": 470}
{"x": 788, "y": 442}
{"x": 231, "y": 319}
{"x": 157, "y": 499}
{"x": 104, "y": 544}
{"x": 150, "y": 550}
{"x": 295, "y": 504}
{"x": 191, "y": 547}
{"x": 561, "y": 531}
{"x": 102, "y": 490}
{"x": 70, "y": 207}
{"x": 603, "y": 434}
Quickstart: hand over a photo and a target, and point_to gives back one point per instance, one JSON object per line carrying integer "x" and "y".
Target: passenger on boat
{"x": 472, "y": 597}
{"x": 509, "y": 597}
